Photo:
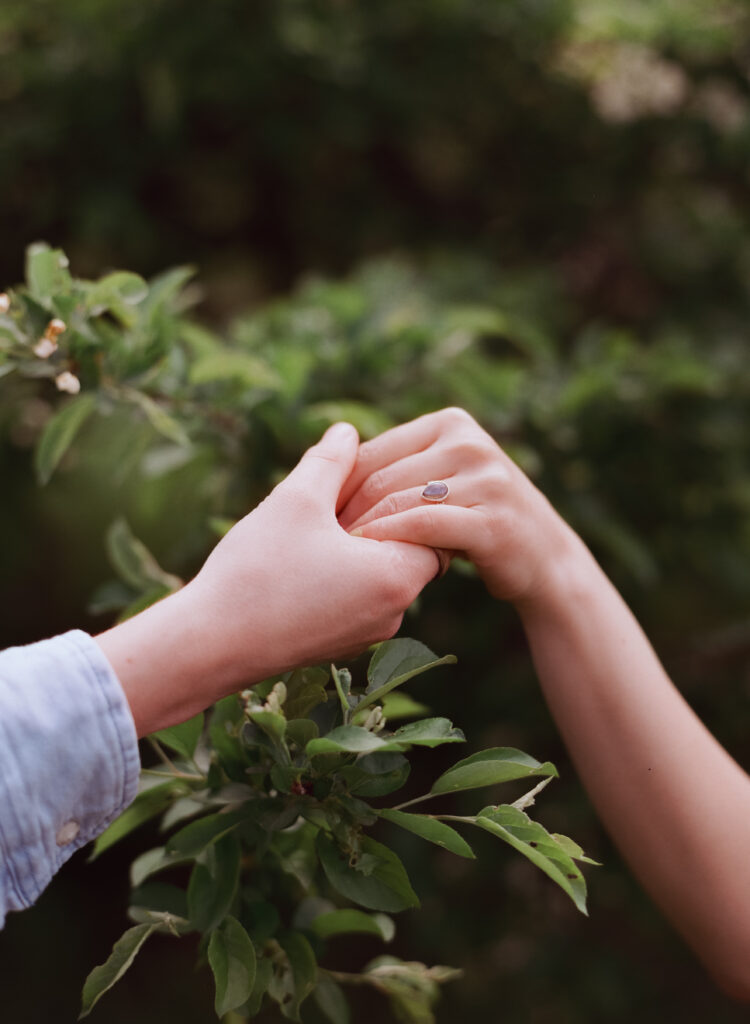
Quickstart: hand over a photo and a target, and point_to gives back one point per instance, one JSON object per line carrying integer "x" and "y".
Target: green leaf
{"x": 385, "y": 886}
{"x": 195, "y": 837}
{"x": 59, "y": 434}
{"x": 331, "y": 1001}
{"x": 263, "y": 975}
{"x": 375, "y": 774}
{"x": 305, "y": 689}
{"x": 351, "y": 739}
{"x": 430, "y": 732}
{"x": 428, "y": 828}
{"x": 344, "y": 922}
{"x": 401, "y": 705}
{"x": 161, "y": 420}
{"x": 133, "y": 561}
{"x": 304, "y": 970}
{"x": 182, "y": 738}
{"x": 159, "y": 898}
{"x": 123, "y": 954}
{"x": 152, "y": 861}
{"x": 231, "y": 955}
{"x": 165, "y": 288}
{"x": 534, "y": 842}
{"x": 368, "y": 419}
{"x": 272, "y": 724}
{"x": 488, "y": 767}
{"x": 213, "y": 884}
{"x": 121, "y": 285}
{"x": 146, "y": 805}
{"x": 411, "y": 986}
{"x": 233, "y": 365}
{"x": 394, "y": 663}
{"x": 301, "y": 731}
{"x": 573, "y": 849}
{"x": 46, "y": 271}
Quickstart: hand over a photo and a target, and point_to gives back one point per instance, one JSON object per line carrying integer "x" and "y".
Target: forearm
{"x": 673, "y": 800}
{"x": 173, "y": 661}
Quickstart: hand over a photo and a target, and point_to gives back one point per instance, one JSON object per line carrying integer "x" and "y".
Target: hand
{"x": 287, "y": 586}
{"x": 493, "y": 515}
{"x": 291, "y": 578}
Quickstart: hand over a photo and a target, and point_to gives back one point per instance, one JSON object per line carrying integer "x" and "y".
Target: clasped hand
{"x": 328, "y": 563}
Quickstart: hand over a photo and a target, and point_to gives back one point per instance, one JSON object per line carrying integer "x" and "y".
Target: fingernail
{"x": 358, "y": 532}
{"x": 339, "y": 431}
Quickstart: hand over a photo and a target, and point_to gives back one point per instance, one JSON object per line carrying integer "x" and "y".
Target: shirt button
{"x": 67, "y": 833}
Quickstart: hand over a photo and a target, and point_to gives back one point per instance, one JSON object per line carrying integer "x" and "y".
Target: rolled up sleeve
{"x": 69, "y": 760}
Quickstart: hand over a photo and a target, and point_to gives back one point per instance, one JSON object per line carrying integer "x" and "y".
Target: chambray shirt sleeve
{"x": 69, "y": 759}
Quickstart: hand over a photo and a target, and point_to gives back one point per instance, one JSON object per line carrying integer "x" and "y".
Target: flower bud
{"x": 55, "y": 328}
{"x": 4, "y": 302}
{"x": 45, "y": 347}
{"x": 68, "y": 381}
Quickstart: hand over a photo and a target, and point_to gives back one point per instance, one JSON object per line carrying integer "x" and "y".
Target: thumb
{"x": 417, "y": 565}
{"x": 325, "y": 467}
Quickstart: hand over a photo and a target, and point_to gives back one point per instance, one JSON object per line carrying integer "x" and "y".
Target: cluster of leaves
{"x": 267, "y": 802}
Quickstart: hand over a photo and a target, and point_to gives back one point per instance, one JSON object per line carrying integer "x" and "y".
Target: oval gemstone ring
{"x": 435, "y": 490}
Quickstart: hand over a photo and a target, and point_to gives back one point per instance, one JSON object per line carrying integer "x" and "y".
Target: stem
{"x": 347, "y": 711}
{"x": 162, "y": 756}
{"x": 176, "y": 774}
{"x": 416, "y": 800}
{"x": 467, "y": 820}
{"x": 346, "y": 978}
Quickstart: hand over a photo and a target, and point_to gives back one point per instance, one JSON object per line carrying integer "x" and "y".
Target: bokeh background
{"x": 535, "y": 209}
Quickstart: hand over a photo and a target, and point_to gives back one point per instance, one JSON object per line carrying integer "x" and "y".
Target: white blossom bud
{"x": 4, "y": 302}
{"x": 45, "y": 347}
{"x": 276, "y": 698}
{"x": 55, "y": 328}
{"x": 67, "y": 381}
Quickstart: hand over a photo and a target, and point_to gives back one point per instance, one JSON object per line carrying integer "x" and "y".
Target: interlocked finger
{"x": 410, "y": 497}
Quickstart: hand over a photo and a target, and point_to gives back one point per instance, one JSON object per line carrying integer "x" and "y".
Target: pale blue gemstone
{"x": 436, "y": 490}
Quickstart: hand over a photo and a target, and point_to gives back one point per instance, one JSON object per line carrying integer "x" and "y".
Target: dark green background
{"x": 265, "y": 141}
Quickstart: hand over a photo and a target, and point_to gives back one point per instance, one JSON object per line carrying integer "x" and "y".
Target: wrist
{"x": 170, "y": 661}
{"x": 567, "y": 572}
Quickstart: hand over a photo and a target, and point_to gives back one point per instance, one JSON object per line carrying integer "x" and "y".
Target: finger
{"x": 411, "y": 497}
{"x": 413, "y": 471}
{"x": 418, "y": 564}
{"x": 443, "y": 526}
{"x": 324, "y": 468}
{"x": 391, "y": 446}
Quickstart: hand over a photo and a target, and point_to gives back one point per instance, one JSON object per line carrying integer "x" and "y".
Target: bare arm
{"x": 673, "y": 800}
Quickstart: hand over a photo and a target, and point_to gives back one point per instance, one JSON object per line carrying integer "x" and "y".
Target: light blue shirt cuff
{"x": 69, "y": 761}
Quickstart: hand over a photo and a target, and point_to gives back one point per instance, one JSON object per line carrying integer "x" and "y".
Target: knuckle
{"x": 495, "y": 483}
{"x": 374, "y": 486}
{"x": 389, "y": 506}
{"x": 454, "y": 415}
{"x": 318, "y": 453}
{"x": 467, "y": 450}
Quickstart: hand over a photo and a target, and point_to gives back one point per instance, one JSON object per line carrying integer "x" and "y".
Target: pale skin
{"x": 672, "y": 798}
{"x": 287, "y": 586}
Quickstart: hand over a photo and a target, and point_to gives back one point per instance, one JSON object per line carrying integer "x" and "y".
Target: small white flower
{"x": 45, "y": 347}
{"x": 55, "y": 328}
{"x": 67, "y": 381}
{"x": 4, "y": 302}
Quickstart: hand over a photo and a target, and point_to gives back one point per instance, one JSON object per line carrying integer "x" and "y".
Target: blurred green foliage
{"x": 564, "y": 185}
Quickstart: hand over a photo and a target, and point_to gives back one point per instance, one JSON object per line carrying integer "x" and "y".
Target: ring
{"x": 435, "y": 490}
